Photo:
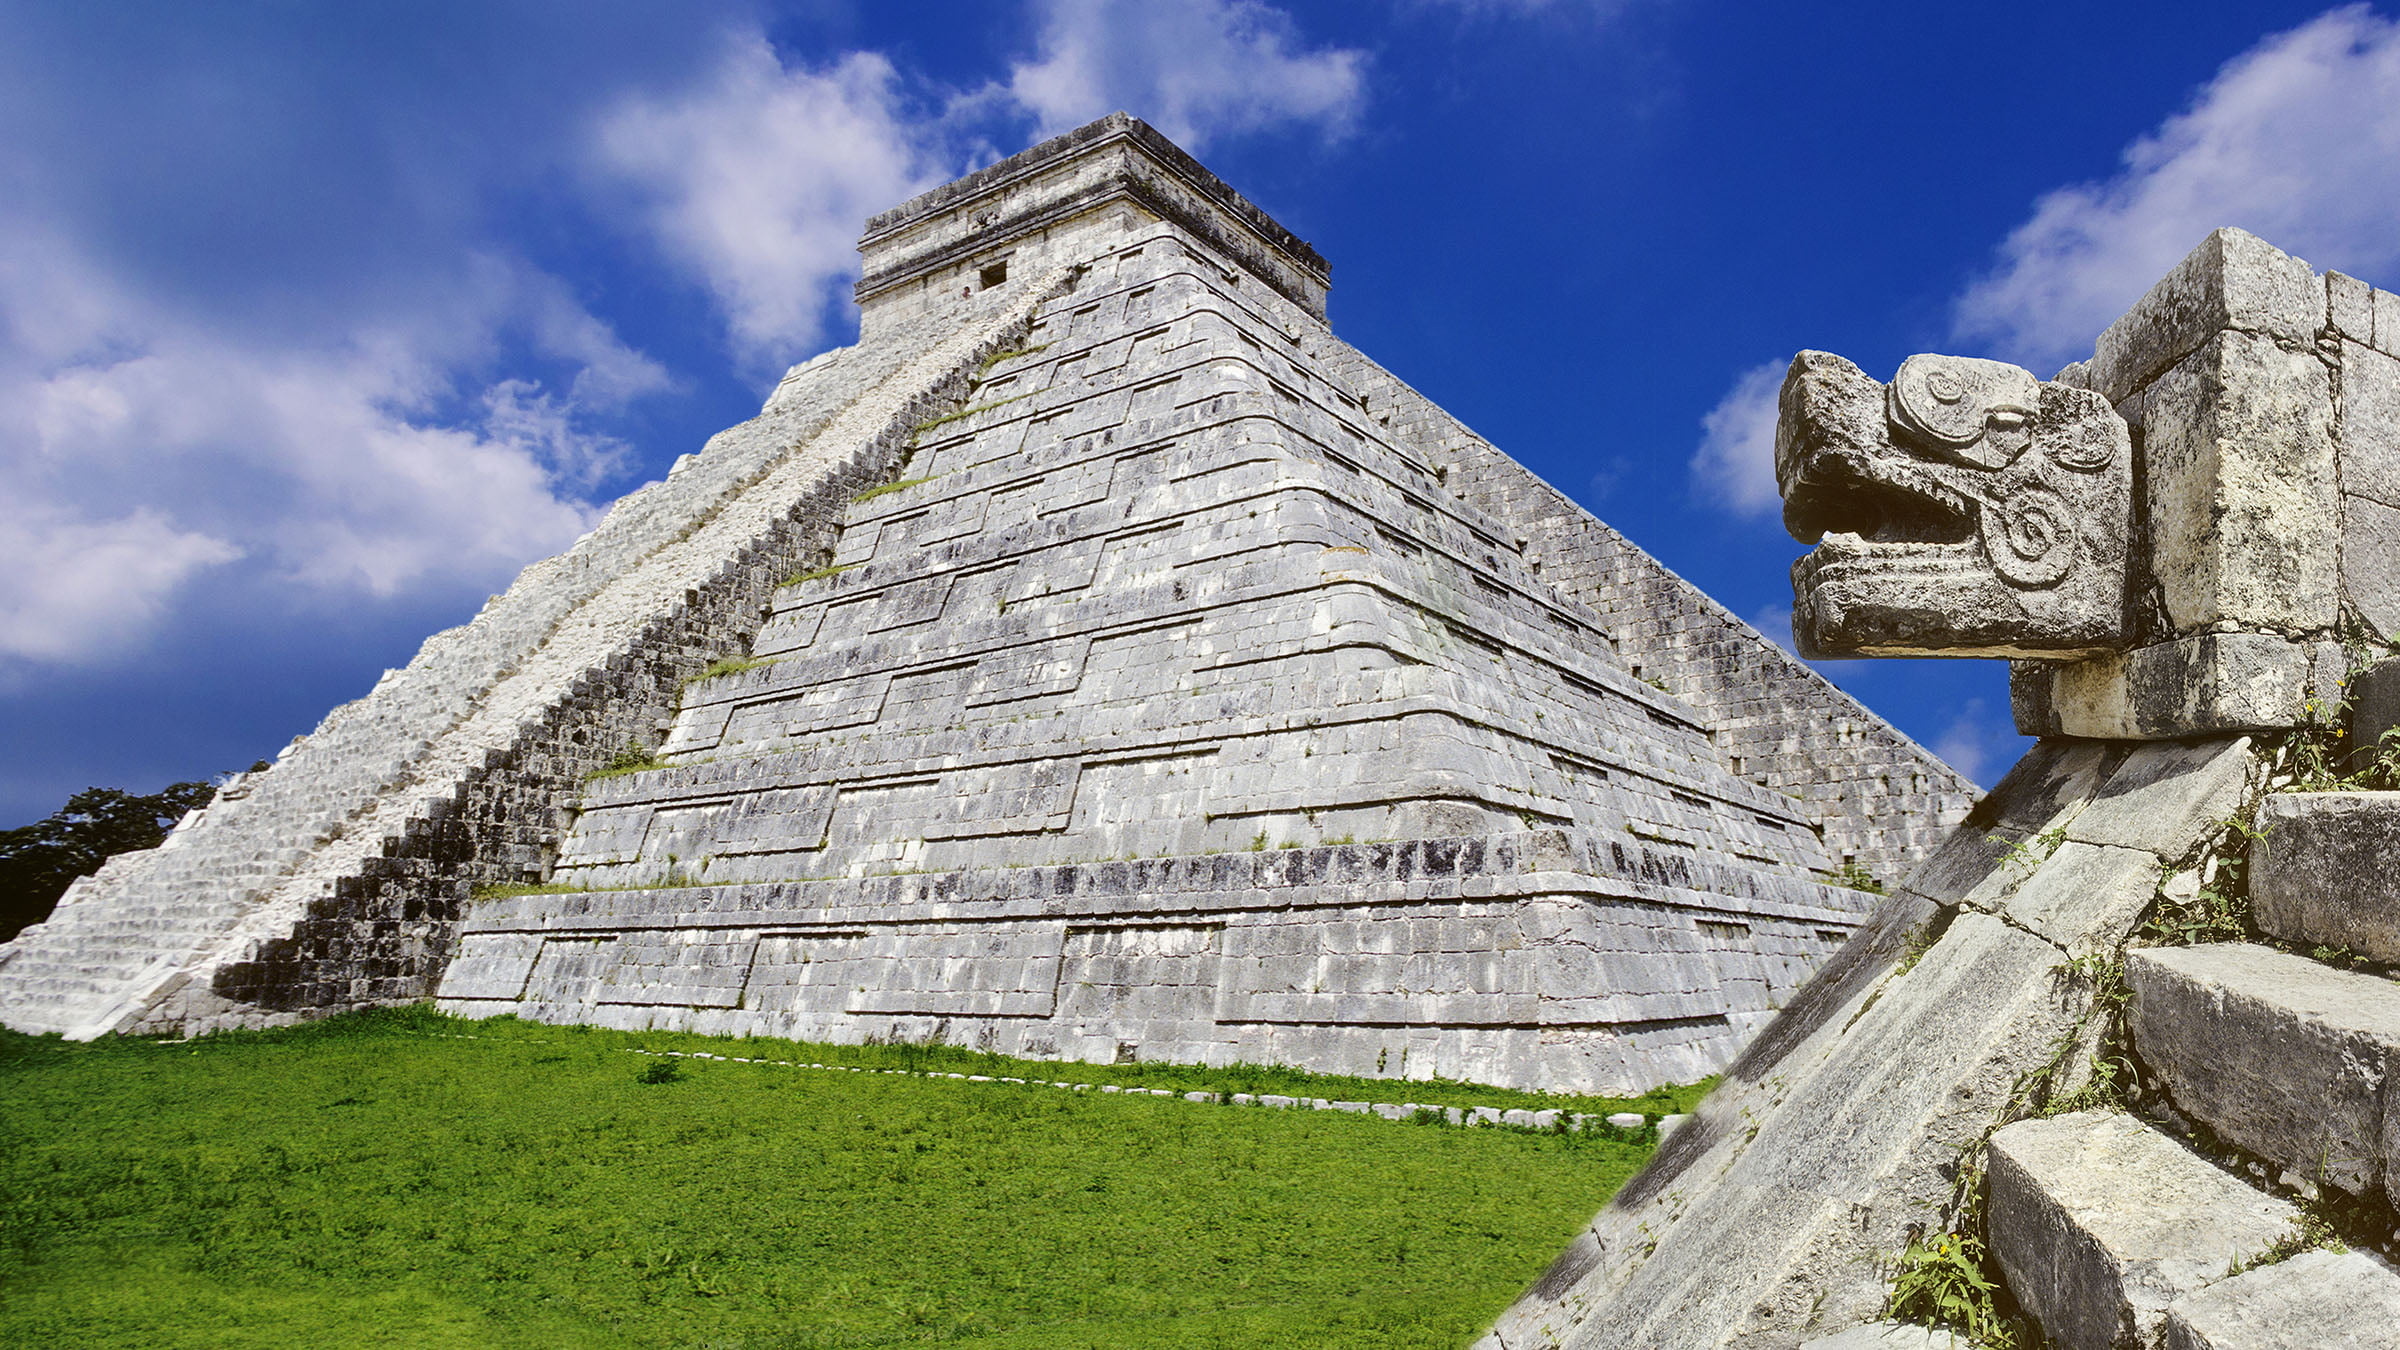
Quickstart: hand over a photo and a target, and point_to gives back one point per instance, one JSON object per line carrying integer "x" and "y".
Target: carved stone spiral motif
{"x": 2030, "y": 536}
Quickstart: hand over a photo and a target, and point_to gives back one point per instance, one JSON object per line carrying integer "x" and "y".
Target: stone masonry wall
{"x": 1883, "y": 800}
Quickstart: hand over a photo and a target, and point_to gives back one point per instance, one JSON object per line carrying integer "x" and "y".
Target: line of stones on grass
{"x": 1514, "y": 1117}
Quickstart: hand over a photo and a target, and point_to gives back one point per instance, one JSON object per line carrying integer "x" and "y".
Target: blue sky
{"x": 318, "y": 321}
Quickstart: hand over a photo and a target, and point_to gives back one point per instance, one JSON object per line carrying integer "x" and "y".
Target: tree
{"x": 39, "y": 861}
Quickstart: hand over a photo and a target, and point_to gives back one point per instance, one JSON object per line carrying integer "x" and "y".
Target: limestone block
{"x": 2085, "y": 898}
{"x": 2100, "y": 1222}
{"x": 2350, "y": 307}
{"x": 2368, "y": 383}
{"x": 2327, "y": 871}
{"x": 2387, "y": 323}
{"x": 2240, "y": 486}
{"x": 2314, "y": 1301}
{"x": 2371, "y": 563}
{"x": 2276, "y": 1053}
{"x": 2166, "y": 797}
{"x": 2207, "y": 683}
{"x": 2374, "y": 699}
{"x": 2233, "y": 280}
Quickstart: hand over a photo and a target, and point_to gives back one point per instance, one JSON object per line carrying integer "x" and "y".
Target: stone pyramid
{"x": 1099, "y": 660}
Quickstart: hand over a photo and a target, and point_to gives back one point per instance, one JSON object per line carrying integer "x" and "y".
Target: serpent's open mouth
{"x": 1856, "y": 517}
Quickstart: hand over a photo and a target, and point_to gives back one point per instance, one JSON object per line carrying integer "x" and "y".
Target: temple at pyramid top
{"x": 1100, "y": 659}
{"x": 1060, "y": 202}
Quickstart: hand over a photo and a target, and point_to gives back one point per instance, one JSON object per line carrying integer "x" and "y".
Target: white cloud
{"x": 757, "y": 179}
{"x": 75, "y": 586}
{"x": 1195, "y": 69}
{"x": 142, "y": 446}
{"x": 1735, "y": 465}
{"x": 2297, "y": 140}
{"x": 1978, "y": 744}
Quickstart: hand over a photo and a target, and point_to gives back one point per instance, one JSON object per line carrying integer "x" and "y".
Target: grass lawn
{"x": 403, "y": 1179}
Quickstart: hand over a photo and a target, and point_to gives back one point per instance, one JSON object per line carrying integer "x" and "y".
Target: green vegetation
{"x": 817, "y": 574}
{"x": 2218, "y": 911}
{"x": 997, "y": 357}
{"x": 405, "y": 1179}
{"x": 2311, "y": 1233}
{"x": 634, "y": 758}
{"x": 1941, "y": 1281}
{"x": 729, "y": 665}
{"x": 969, "y": 411}
{"x": 872, "y": 493}
{"x": 1854, "y": 877}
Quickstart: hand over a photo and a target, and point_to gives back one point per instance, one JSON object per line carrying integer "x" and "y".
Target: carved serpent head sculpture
{"x": 1965, "y": 509}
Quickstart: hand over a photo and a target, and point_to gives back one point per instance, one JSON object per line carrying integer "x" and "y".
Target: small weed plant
{"x": 817, "y": 574}
{"x": 634, "y": 758}
{"x": 887, "y": 489}
{"x": 2026, "y": 856}
{"x": 729, "y": 665}
{"x": 2311, "y": 1233}
{"x": 1010, "y": 355}
{"x": 1941, "y": 1281}
{"x": 1854, "y": 877}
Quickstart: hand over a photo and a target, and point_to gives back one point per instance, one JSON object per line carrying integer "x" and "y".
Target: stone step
{"x": 2101, "y": 1221}
{"x": 2315, "y": 1301}
{"x": 2278, "y": 1055}
{"x": 2327, "y": 871}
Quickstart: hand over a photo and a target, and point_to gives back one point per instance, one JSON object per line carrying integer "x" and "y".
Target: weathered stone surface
{"x": 2371, "y": 563}
{"x": 2350, "y": 307}
{"x": 1887, "y": 1336}
{"x": 2085, "y": 898}
{"x": 2165, "y": 798}
{"x": 1765, "y": 1221}
{"x": 2387, "y": 322}
{"x": 2373, "y": 695}
{"x": 2100, "y": 1221}
{"x": 2315, "y": 1301}
{"x": 2368, "y": 427}
{"x": 2327, "y": 870}
{"x": 2240, "y": 486}
{"x": 1965, "y": 509}
{"x": 2034, "y": 800}
{"x": 2234, "y": 280}
{"x": 2275, "y": 1053}
{"x": 2203, "y": 684}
